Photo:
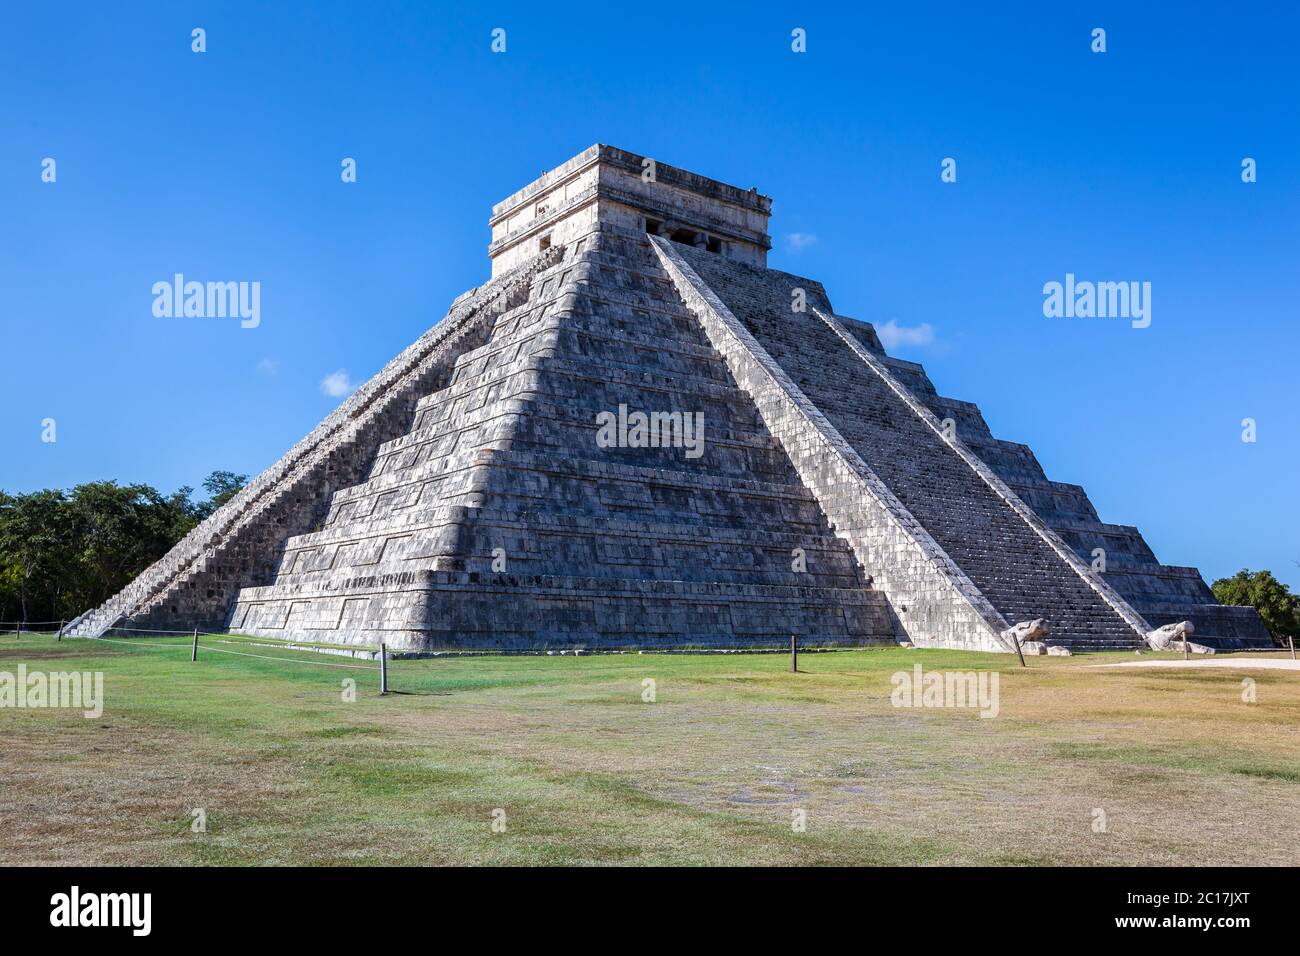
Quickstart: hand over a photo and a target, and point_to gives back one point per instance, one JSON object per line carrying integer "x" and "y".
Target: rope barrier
{"x": 287, "y": 660}
{"x": 222, "y": 650}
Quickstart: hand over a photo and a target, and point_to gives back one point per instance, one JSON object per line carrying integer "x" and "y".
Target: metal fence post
{"x": 383, "y": 669}
{"x": 194, "y": 651}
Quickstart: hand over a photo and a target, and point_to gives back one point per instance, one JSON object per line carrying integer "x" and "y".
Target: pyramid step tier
{"x": 435, "y": 610}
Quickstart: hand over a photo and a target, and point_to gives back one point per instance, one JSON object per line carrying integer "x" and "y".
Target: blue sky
{"x": 225, "y": 166}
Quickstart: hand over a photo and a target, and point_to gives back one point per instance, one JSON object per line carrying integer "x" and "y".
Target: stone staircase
{"x": 1160, "y": 593}
{"x": 996, "y": 541}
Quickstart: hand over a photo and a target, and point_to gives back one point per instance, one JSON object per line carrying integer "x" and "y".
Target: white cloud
{"x": 268, "y": 366}
{"x": 892, "y": 335}
{"x": 799, "y": 241}
{"x": 337, "y": 384}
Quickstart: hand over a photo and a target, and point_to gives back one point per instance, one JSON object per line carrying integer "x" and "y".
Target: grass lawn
{"x": 588, "y": 773}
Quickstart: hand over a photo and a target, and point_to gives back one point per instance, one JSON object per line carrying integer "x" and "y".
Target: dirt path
{"x": 1266, "y": 663}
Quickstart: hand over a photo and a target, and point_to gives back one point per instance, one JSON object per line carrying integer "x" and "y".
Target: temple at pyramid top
{"x": 605, "y": 184}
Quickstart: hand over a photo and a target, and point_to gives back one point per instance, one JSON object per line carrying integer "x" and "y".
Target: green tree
{"x": 62, "y": 552}
{"x": 36, "y": 551}
{"x": 120, "y": 531}
{"x": 221, "y": 486}
{"x": 1279, "y": 608}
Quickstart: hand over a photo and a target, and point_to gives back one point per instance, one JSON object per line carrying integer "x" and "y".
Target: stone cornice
{"x": 750, "y": 200}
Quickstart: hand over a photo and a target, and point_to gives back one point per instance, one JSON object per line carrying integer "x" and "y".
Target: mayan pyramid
{"x": 475, "y": 495}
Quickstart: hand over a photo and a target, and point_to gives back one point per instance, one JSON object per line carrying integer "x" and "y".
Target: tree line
{"x": 62, "y": 552}
{"x": 1279, "y": 608}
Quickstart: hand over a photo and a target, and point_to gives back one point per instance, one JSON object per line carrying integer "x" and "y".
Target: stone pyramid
{"x": 635, "y": 434}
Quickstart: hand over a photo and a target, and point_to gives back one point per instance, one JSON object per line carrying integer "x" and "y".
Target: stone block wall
{"x": 499, "y": 521}
{"x": 238, "y": 545}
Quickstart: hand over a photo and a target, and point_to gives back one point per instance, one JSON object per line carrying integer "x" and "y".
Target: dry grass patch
{"x": 588, "y": 772}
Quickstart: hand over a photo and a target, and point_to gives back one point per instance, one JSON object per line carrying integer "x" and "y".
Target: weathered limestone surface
{"x": 992, "y": 480}
{"x": 1162, "y": 637}
{"x": 607, "y": 185}
{"x": 195, "y": 583}
{"x": 1027, "y": 631}
{"x": 980, "y": 526}
{"x": 464, "y": 499}
{"x": 1161, "y": 594}
{"x": 498, "y": 521}
{"x": 935, "y": 601}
